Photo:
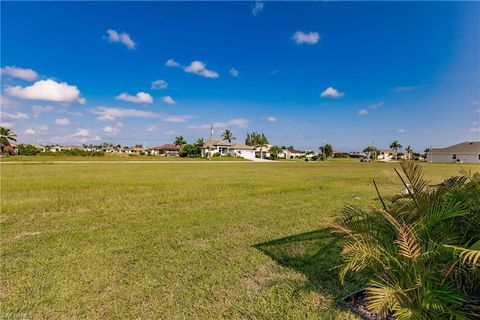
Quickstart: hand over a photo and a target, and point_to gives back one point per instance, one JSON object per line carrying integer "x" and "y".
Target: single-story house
{"x": 137, "y": 150}
{"x": 168, "y": 150}
{"x": 386, "y": 154}
{"x": 225, "y": 148}
{"x": 291, "y": 153}
{"x": 242, "y": 150}
{"x": 465, "y": 152}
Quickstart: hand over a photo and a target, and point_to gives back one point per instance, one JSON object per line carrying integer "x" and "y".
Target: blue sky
{"x": 350, "y": 73}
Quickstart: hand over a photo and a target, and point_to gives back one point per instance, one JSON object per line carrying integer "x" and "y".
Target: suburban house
{"x": 265, "y": 150}
{"x": 385, "y": 154}
{"x": 168, "y": 150}
{"x": 225, "y": 148}
{"x": 465, "y": 152}
{"x": 291, "y": 153}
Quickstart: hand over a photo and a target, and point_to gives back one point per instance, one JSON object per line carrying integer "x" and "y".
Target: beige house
{"x": 225, "y": 148}
{"x": 168, "y": 150}
{"x": 465, "y": 152}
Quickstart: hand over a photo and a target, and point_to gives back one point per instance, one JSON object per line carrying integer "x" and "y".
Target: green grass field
{"x": 180, "y": 240}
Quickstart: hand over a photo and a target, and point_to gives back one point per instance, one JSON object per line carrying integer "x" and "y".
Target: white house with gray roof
{"x": 465, "y": 152}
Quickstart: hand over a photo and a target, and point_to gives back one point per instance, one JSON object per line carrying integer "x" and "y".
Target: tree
{"x": 409, "y": 151}
{"x": 6, "y": 135}
{"x": 372, "y": 151}
{"x": 261, "y": 141}
{"x": 188, "y": 150}
{"x": 274, "y": 151}
{"x": 180, "y": 141}
{"x": 27, "y": 150}
{"x": 200, "y": 142}
{"x": 228, "y": 135}
{"x": 328, "y": 150}
{"x": 395, "y": 146}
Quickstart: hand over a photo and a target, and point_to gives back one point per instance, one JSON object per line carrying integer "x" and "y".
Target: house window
{"x": 454, "y": 157}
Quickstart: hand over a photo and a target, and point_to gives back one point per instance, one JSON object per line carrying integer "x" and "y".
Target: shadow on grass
{"x": 316, "y": 254}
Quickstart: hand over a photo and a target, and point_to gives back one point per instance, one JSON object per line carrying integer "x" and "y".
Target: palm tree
{"x": 409, "y": 151}
{"x": 261, "y": 141}
{"x": 5, "y": 136}
{"x": 200, "y": 142}
{"x": 275, "y": 150}
{"x": 180, "y": 141}
{"x": 395, "y": 146}
{"x": 228, "y": 135}
{"x": 372, "y": 151}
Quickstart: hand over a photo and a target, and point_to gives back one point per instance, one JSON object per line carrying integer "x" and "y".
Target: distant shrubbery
{"x": 27, "y": 150}
{"x": 341, "y": 155}
{"x": 76, "y": 152}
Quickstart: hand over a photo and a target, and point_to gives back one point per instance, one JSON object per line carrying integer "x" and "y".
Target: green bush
{"x": 76, "y": 152}
{"x": 27, "y": 150}
{"x": 420, "y": 251}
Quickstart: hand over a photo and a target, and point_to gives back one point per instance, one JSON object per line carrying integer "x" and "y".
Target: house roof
{"x": 241, "y": 146}
{"x": 292, "y": 150}
{"x": 469, "y": 147}
{"x": 216, "y": 143}
{"x": 265, "y": 148}
{"x": 168, "y": 147}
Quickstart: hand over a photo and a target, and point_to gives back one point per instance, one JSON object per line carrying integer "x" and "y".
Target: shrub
{"x": 27, "y": 150}
{"x": 419, "y": 252}
{"x": 341, "y": 155}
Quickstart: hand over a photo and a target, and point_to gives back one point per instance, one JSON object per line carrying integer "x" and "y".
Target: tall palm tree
{"x": 261, "y": 141}
{"x": 200, "y": 142}
{"x": 5, "y": 136}
{"x": 180, "y": 141}
{"x": 395, "y": 146}
{"x": 228, "y": 135}
{"x": 409, "y": 151}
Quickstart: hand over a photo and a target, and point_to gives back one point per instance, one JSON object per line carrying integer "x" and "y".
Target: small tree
{"x": 275, "y": 151}
{"x": 326, "y": 150}
{"x": 395, "y": 146}
{"x": 188, "y": 150}
{"x": 180, "y": 141}
{"x": 27, "y": 150}
{"x": 409, "y": 151}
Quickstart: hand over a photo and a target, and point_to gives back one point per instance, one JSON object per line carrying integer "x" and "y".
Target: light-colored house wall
{"x": 448, "y": 158}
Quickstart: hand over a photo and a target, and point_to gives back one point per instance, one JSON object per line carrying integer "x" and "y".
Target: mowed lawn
{"x": 180, "y": 240}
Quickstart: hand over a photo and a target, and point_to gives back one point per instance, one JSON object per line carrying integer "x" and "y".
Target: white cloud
{"x": 272, "y": 119}
{"x": 114, "y": 36}
{"x": 306, "y": 38}
{"x": 331, "y": 92}
{"x": 168, "y": 100}
{"x": 37, "y": 110}
{"x": 234, "y": 72}
{"x": 48, "y": 90}
{"x": 474, "y": 127}
{"x": 199, "y": 68}
{"x": 111, "y": 113}
{"x": 376, "y": 106}
{"x": 42, "y": 128}
{"x": 401, "y": 130}
{"x": 14, "y": 116}
{"x": 237, "y": 122}
{"x": 62, "y": 122}
{"x": 159, "y": 85}
{"x": 257, "y": 8}
{"x": 140, "y": 97}
{"x": 29, "y": 132}
{"x": 111, "y": 131}
{"x": 7, "y": 103}
{"x": 21, "y": 73}
{"x": 8, "y": 125}
{"x": 81, "y": 133}
{"x": 151, "y": 128}
{"x": 172, "y": 63}
{"x": 362, "y": 112}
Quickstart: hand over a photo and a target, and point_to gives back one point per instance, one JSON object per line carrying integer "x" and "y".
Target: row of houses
{"x": 225, "y": 148}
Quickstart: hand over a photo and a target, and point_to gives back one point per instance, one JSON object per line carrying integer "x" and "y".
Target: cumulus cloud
{"x": 8, "y": 125}
{"x": 140, "y": 97}
{"x": 331, "y": 92}
{"x": 7, "y": 103}
{"x": 14, "y": 116}
{"x": 362, "y": 112}
{"x": 172, "y": 63}
{"x": 20, "y": 73}
{"x": 124, "y": 38}
{"x": 29, "y": 132}
{"x": 159, "y": 85}
{"x": 234, "y": 72}
{"x": 62, "y": 122}
{"x": 176, "y": 118}
{"x": 151, "y": 128}
{"x": 38, "y": 110}
{"x": 168, "y": 100}
{"x": 199, "y": 68}
{"x": 257, "y": 8}
{"x": 48, "y": 90}
{"x": 272, "y": 119}
{"x": 111, "y": 131}
{"x": 306, "y": 38}
{"x": 401, "y": 130}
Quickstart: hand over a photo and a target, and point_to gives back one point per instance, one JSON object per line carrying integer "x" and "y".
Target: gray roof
{"x": 241, "y": 146}
{"x": 214, "y": 143}
{"x": 469, "y": 147}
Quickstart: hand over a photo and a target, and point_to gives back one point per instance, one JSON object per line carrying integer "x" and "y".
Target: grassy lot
{"x": 177, "y": 241}
{"x": 106, "y": 157}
